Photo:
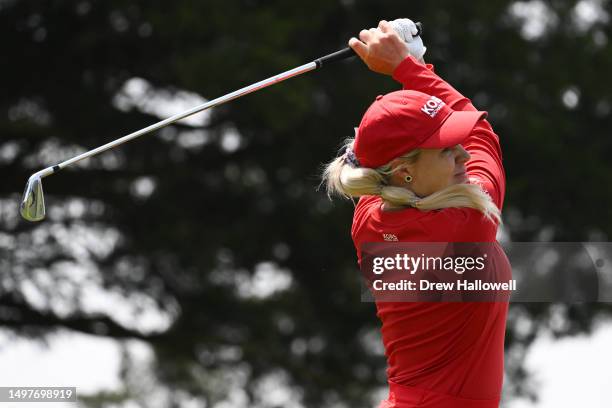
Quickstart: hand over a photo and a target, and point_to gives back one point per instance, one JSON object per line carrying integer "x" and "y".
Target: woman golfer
{"x": 427, "y": 167}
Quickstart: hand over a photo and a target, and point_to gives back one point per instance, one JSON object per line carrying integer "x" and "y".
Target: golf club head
{"x": 33, "y": 204}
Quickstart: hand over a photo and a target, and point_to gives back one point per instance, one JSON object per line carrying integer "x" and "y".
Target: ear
{"x": 403, "y": 169}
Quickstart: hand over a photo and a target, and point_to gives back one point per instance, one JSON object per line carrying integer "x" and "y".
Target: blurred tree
{"x": 186, "y": 222}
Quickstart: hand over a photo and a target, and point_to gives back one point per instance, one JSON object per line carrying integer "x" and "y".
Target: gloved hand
{"x": 408, "y": 31}
{"x": 383, "y": 48}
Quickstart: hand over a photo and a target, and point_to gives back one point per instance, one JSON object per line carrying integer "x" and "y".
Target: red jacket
{"x": 441, "y": 354}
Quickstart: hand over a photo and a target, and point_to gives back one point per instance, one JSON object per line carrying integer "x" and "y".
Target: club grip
{"x": 335, "y": 56}
{"x": 419, "y": 27}
{"x": 348, "y": 51}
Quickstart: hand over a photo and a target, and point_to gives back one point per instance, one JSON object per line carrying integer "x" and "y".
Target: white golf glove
{"x": 407, "y": 31}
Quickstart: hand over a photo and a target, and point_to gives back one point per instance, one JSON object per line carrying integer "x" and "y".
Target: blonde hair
{"x": 342, "y": 179}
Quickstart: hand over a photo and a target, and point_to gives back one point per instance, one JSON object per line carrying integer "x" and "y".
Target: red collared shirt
{"x": 454, "y": 350}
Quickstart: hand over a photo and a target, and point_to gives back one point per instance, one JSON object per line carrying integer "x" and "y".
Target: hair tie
{"x": 350, "y": 158}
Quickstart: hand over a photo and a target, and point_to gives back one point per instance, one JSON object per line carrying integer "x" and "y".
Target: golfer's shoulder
{"x": 367, "y": 204}
{"x": 366, "y": 207}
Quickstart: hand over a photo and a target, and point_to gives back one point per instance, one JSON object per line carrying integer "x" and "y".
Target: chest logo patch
{"x": 390, "y": 237}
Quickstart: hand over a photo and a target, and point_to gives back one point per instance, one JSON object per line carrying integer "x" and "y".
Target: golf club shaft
{"x": 32, "y": 206}
{"x": 215, "y": 102}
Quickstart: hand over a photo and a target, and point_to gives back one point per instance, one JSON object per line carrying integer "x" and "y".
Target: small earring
{"x": 408, "y": 179}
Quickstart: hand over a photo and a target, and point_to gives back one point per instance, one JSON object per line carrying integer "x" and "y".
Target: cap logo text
{"x": 432, "y": 106}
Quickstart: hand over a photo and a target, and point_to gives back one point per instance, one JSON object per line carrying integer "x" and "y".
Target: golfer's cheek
{"x": 449, "y": 178}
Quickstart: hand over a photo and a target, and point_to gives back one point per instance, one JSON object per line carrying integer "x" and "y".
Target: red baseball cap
{"x": 401, "y": 121}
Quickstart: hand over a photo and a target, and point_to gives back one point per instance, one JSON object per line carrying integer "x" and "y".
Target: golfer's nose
{"x": 462, "y": 154}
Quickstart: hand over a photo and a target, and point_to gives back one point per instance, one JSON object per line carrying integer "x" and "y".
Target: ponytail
{"x": 344, "y": 179}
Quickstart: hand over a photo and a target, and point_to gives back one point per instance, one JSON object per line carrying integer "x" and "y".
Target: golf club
{"x": 33, "y": 203}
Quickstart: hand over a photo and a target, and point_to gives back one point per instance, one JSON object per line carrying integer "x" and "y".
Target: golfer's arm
{"x": 421, "y": 77}
{"x": 483, "y": 145}
{"x": 485, "y": 164}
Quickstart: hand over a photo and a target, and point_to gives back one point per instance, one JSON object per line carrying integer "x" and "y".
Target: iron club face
{"x": 33, "y": 204}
